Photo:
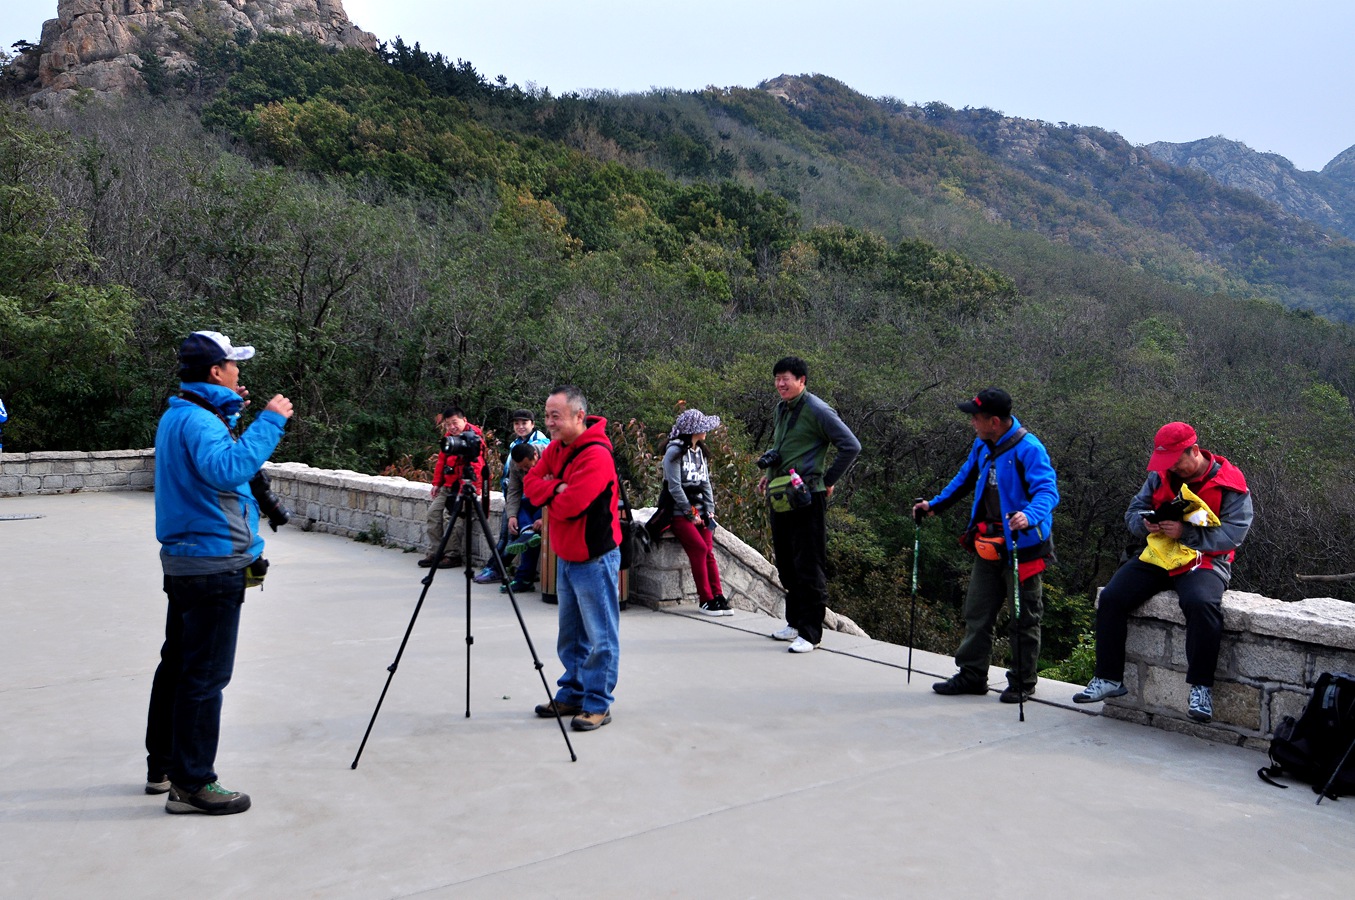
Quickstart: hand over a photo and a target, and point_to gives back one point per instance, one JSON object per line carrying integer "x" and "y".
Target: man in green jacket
{"x": 805, "y": 428}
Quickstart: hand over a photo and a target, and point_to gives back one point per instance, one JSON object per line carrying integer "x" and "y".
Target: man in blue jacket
{"x": 207, "y": 522}
{"x": 1015, "y": 492}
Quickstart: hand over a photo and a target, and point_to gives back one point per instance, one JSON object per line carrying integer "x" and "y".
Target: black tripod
{"x": 464, "y": 503}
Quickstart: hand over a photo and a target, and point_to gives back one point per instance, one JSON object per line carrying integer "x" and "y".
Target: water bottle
{"x": 796, "y": 481}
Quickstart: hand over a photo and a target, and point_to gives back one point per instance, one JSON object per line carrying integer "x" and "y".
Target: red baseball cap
{"x": 1172, "y": 440}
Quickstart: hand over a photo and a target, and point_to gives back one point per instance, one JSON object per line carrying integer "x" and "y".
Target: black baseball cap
{"x": 991, "y": 401}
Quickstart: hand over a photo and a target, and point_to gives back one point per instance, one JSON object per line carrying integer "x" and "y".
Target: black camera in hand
{"x": 769, "y": 459}
{"x": 270, "y": 504}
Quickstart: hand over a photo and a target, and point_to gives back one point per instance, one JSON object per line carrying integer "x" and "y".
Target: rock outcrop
{"x": 1324, "y": 197}
{"x": 100, "y": 45}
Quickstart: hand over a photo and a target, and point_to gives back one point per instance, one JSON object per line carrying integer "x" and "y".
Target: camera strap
{"x": 200, "y": 401}
{"x": 794, "y": 417}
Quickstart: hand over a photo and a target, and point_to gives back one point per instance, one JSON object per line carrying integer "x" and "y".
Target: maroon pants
{"x": 699, "y": 543}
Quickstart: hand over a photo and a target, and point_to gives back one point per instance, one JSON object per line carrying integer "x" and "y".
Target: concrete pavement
{"x": 732, "y": 768}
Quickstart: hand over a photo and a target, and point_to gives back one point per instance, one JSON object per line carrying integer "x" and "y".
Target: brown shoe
{"x": 586, "y": 721}
{"x": 449, "y": 562}
{"x": 547, "y": 710}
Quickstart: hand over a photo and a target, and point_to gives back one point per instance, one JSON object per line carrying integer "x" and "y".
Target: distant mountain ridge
{"x": 1089, "y": 189}
{"x": 1326, "y": 197}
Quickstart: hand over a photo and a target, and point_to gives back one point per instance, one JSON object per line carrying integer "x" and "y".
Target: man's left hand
{"x": 1172, "y": 530}
{"x": 1018, "y": 522}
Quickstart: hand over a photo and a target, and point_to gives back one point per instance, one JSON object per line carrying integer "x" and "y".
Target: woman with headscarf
{"x": 690, "y": 501}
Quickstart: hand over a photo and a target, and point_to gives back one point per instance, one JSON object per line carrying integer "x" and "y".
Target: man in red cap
{"x": 1177, "y": 462}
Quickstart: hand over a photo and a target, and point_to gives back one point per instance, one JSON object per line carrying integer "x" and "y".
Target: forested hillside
{"x": 393, "y": 233}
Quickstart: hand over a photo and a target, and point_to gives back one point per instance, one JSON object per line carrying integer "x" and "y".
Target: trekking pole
{"x": 1337, "y": 771}
{"x": 912, "y": 605}
{"x": 1016, "y": 622}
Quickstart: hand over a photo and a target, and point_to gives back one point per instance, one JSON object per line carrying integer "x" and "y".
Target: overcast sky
{"x": 1274, "y": 75}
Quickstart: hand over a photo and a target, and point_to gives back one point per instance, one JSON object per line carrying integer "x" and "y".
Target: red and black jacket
{"x": 584, "y": 523}
{"x": 458, "y": 466}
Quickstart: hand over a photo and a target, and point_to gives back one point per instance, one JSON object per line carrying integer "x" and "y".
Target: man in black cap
{"x": 207, "y": 522}
{"x": 1015, "y": 492}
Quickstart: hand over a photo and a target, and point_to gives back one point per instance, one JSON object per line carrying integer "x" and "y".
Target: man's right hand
{"x": 762, "y": 485}
{"x": 920, "y": 510}
{"x": 513, "y": 527}
{"x": 280, "y": 405}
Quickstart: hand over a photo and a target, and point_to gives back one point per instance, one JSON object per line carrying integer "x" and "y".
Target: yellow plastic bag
{"x": 1169, "y": 554}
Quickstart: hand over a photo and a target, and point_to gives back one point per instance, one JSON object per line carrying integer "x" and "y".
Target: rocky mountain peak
{"x": 99, "y": 45}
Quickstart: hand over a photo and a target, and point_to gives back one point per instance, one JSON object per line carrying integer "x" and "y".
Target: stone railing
{"x": 664, "y": 577}
{"x": 69, "y": 471}
{"x": 377, "y": 508}
{"x": 1271, "y": 656}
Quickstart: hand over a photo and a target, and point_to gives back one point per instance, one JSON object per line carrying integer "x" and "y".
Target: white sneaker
{"x": 1100, "y": 689}
{"x": 800, "y": 645}
{"x": 785, "y": 634}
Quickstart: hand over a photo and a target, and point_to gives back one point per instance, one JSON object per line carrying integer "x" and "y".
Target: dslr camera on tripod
{"x": 467, "y": 445}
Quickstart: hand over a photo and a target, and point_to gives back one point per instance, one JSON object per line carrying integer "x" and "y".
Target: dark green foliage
{"x": 408, "y": 234}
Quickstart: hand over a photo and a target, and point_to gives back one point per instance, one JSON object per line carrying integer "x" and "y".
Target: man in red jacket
{"x": 448, "y": 472}
{"x": 1177, "y": 462}
{"x": 575, "y": 480}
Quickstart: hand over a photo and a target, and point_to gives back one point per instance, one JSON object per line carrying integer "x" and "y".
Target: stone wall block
{"x": 1284, "y": 702}
{"x": 1237, "y": 704}
{"x": 1267, "y": 659}
{"x": 1148, "y": 642}
{"x": 1325, "y": 660}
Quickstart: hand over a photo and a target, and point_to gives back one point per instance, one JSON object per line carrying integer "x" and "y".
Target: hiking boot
{"x": 211, "y": 799}
{"x": 800, "y": 645}
{"x": 788, "y": 633}
{"x": 710, "y": 608}
{"x": 957, "y": 684}
{"x": 1011, "y": 695}
{"x": 487, "y": 575}
{"x": 526, "y": 540}
{"x": 518, "y": 587}
{"x": 1099, "y": 689}
{"x": 427, "y": 562}
{"x": 547, "y": 710}
{"x": 586, "y": 721}
{"x": 449, "y": 562}
{"x": 157, "y": 783}
{"x": 1201, "y": 703}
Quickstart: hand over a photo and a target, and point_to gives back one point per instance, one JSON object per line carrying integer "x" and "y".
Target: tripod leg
{"x": 531, "y": 648}
{"x": 427, "y": 583}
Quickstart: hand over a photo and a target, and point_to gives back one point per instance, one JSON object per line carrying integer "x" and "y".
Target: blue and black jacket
{"x": 1025, "y": 483}
{"x": 206, "y": 519}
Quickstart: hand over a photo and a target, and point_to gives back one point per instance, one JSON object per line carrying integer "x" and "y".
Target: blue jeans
{"x": 589, "y": 644}
{"x": 196, "y": 662}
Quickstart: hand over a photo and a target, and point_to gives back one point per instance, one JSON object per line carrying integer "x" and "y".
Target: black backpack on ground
{"x": 1317, "y": 748}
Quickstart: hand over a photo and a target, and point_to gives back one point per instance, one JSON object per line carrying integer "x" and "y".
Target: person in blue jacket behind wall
{"x": 4, "y": 417}
{"x": 207, "y": 522}
{"x": 1015, "y": 492}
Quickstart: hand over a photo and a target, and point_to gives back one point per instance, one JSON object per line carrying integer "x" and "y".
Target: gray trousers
{"x": 437, "y": 523}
